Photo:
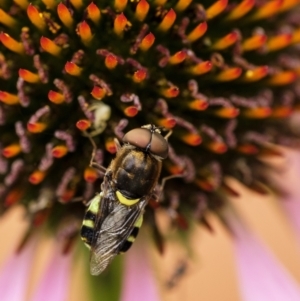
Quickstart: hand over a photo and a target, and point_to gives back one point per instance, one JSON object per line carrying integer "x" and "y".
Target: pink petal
{"x": 54, "y": 284}
{"x": 291, "y": 203}
{"x": 261, "y": 276}
{"x": 291, "y": 206}
{"x": 138, "y": 280}
{"x": 14, "y": 274}
{"x": 288, "y": 180}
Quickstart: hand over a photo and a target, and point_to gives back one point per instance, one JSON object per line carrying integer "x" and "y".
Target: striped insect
{"x": 114, "y": 216}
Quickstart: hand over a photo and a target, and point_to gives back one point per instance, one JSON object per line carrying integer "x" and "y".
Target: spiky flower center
{"x": 222, "y": 74}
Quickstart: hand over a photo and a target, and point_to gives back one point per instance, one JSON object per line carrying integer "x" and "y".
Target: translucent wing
{"x": 112, "y": 229}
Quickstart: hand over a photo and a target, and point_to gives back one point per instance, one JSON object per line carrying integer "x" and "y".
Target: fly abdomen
{"x": 87, "y": 234}
{"x": 131, "y": 238}
{"x": 88, "y": 228}
{"x": 88, "y": 224}
{"x": 89, "y": 215}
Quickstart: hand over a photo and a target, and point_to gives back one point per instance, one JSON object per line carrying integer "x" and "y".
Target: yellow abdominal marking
{"x": 131, "y": 238}
{"x": 139, "y": 222}
{"x": 88, "y": 223}
{"x": 95, "y": 203}
{"x": 124, "y": 200}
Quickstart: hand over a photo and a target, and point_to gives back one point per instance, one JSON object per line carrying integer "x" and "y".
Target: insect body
{"x": 113, "y": 219}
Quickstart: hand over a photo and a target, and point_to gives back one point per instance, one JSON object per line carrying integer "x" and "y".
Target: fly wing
{"x": 112, "y": 233}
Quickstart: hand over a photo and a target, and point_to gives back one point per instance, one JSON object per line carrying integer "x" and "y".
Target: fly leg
{"x": 155, "y": 197}
{"x": 93, "y": 163}
{"x": 154, "y": 203}
{"x": 168, "y": 134}
{"x": 117, "y": 144}
{"x": 163, "y": 183}
{"x": 85, "y": 202}
{"x": 165, "y": 179}
{"x": 173, "y": 200}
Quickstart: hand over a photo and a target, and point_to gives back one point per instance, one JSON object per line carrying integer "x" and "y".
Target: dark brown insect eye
{"x": 159, "y": 146}
{"x": 141, "y": 138}
{"x": 138, "y": 137}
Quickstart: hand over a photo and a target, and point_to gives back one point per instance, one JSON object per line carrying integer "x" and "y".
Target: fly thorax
{"x": 136, "y": 173}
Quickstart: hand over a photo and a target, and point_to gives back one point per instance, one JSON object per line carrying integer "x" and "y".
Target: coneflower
{"x": 221, "y": 74}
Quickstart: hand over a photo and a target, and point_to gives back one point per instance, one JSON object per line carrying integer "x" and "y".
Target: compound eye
{"x": 141, "y": 137}
{"x": 159, "y": 146}
{"x": 138, "y": 137}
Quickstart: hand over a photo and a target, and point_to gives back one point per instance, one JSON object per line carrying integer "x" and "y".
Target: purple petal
{"x": 261, "y": 276}
{"x": 14, "y": 274}
{"x": 54, "y": 284}
{"x": 138, "y": 280}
